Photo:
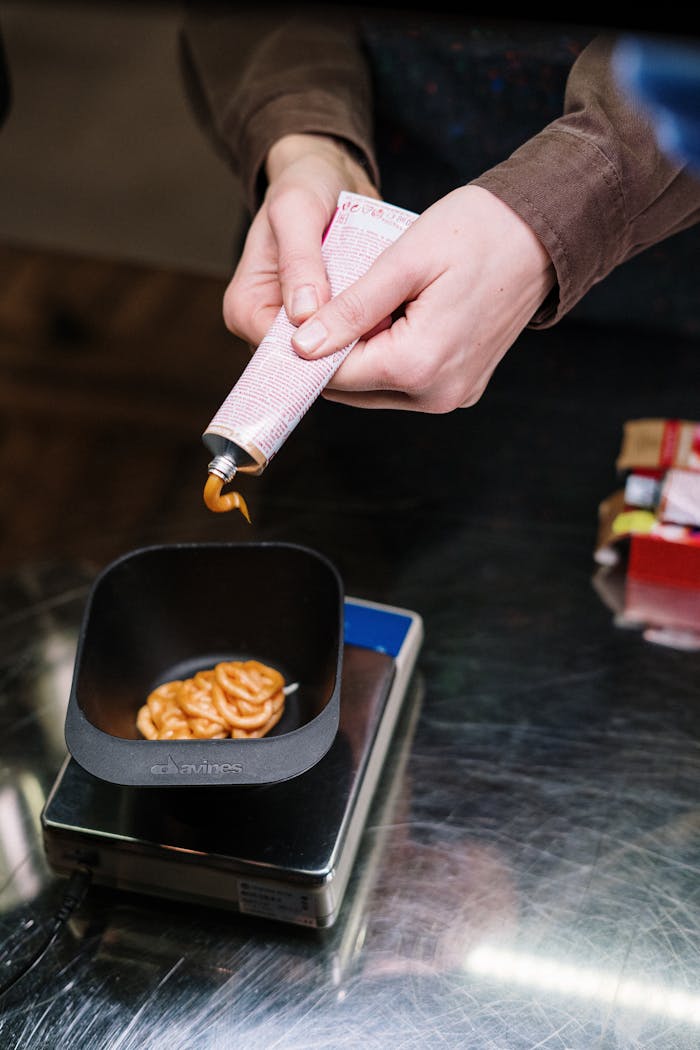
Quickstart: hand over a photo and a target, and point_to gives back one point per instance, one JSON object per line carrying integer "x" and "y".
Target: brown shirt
{"x": 592, "y": 184}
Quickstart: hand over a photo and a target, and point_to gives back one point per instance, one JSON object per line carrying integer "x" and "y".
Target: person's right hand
{"x": 281, "y": 262}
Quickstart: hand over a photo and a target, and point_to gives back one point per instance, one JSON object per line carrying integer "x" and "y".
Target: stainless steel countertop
{"x": 533, "y": 879}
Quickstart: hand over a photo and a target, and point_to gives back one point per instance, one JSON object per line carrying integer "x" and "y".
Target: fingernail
{"x": 304, "y": 301}
{"x": 310, "y": 336}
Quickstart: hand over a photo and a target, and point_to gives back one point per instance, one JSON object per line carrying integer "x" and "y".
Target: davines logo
{"x": 213, "y": 769}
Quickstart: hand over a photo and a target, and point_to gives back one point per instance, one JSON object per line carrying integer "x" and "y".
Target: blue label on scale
{"x": 378, "y": 629}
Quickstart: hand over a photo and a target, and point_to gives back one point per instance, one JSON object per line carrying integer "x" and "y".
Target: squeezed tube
{"x": 278, "y": 387}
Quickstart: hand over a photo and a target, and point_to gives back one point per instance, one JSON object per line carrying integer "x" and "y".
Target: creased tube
{"x": 277, "y": 386}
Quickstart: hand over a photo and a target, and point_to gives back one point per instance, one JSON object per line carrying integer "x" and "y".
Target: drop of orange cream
{"x": 219, "y": 503}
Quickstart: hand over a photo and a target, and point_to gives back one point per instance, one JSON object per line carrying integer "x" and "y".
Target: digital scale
{"x": 282, "y": 851}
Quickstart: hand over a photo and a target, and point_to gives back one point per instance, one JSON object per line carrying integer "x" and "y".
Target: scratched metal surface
{"x": 535, "y": 880}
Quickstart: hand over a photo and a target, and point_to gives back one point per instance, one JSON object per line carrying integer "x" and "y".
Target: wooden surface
{"x": 108, "y": 371}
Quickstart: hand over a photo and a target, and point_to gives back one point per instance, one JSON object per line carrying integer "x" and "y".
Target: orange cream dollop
{"x": 218, "y": 502}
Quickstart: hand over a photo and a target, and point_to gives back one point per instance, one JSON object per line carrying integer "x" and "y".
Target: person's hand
{"x": 465, "y": 278}
{"x": 281, "y": 261}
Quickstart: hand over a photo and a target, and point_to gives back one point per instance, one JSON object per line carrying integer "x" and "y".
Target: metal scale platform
{"x": 282, "y": 851}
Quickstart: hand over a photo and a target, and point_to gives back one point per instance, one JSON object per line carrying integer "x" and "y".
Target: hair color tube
{"x": 277, "y": 387}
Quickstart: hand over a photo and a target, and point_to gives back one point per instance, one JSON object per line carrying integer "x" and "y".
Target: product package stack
{"x": 648, "y": 545}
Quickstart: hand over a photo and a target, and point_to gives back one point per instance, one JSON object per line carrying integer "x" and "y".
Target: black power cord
{"x": 78, "y": 885}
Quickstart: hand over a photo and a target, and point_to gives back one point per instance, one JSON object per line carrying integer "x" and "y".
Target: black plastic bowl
{"x": 165, "y": 612}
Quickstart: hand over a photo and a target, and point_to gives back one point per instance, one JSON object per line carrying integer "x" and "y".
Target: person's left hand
{"x": 466, "y": 277}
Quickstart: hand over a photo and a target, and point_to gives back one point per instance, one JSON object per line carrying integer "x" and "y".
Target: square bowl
{"x": 166, "y": 612}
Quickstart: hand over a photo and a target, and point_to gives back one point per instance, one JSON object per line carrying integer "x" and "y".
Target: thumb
{"x": 355, "y": 312}
{"x": 302, "y": 272}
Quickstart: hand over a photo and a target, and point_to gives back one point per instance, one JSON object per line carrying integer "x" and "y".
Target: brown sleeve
{"x": 593, "y": 184}
{"x": 254, "y": 80}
